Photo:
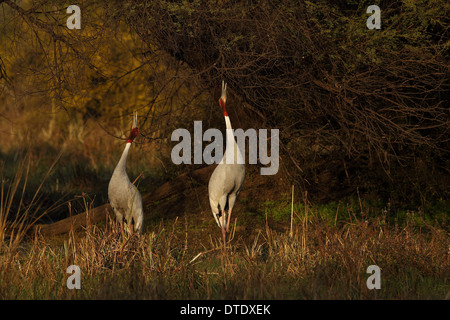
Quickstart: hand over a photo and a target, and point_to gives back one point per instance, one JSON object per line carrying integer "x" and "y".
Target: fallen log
{"x": 95, "y": 215}
{"x": 86, "y": 218}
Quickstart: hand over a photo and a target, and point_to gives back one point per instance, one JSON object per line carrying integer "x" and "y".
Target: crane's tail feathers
{"x": 138, "y": 227}
{"x": 216, "y": 217}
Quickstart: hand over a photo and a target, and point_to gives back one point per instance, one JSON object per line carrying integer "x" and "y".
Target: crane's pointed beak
{"x": 135, "y": 120}
{"x": 223, "y": 99}
{"x": 224, "y": 91}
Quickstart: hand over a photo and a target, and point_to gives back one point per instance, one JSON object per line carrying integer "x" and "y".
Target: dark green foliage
{"x": 356, "y": 107}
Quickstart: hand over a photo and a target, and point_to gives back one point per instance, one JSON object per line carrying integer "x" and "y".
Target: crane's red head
{"x": 223, "y": 99}
{"x": 133, "y": 134}
{"x": 134, "y": 129}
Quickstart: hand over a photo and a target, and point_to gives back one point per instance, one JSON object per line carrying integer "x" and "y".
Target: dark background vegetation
{"x": 356, "y": 107}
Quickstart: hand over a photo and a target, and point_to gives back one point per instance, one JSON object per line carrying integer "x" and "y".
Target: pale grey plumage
{"x": 224, "y": 187}
{"x": 124, "y": 197}
{"x": 227, "y": 179}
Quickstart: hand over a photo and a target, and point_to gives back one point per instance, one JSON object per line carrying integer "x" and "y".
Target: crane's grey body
{"x": 124, "y": 197}
{"x": 224, "y": 187}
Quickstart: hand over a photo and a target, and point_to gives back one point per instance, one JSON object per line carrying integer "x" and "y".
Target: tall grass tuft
{"x": 18, "y": 215}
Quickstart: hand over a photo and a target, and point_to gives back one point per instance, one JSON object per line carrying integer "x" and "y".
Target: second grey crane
{"x": 124, "y": 197}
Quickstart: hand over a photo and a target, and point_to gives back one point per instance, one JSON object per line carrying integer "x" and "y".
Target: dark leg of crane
{"x": 224, "y": 232}
{"x": 228, "y": 221}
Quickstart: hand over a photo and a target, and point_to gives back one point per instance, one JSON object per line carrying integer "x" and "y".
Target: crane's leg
{"x": 228, "y": 221}
{"x": 224, "y": 232}
{"x": 231, "y": 201}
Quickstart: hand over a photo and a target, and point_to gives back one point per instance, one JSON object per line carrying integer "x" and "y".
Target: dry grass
{"x": 17, "y": 214}
{"x": 314, "y": 255}
{"x": 317, "y": 261}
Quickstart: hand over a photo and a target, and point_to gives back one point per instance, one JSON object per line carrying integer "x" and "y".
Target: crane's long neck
{"x": 232, "y": 151}
{"x": 230, "y": 135}
{"x": 122, "y": 165}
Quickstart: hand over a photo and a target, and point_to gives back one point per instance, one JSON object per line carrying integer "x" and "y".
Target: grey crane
{"x": 124, "y": 197}
{"x": 227, "y": 179}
